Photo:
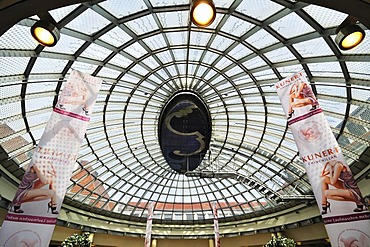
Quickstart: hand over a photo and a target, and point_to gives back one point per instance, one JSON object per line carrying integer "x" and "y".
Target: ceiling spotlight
{"x": 45, "y": 33}
{"x": 349, "y": 35}
{"x": 202, "y": 12}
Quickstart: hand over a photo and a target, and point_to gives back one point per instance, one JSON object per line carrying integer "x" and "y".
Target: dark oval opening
{"x": 184, "y": 131}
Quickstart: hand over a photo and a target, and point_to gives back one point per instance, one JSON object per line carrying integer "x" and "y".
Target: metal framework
{"x": 148, "y": 52}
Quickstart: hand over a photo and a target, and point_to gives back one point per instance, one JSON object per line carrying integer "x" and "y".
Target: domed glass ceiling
{"x": 146, "y": 51}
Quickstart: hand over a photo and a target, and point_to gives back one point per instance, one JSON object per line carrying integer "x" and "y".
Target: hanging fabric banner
{"x": 215, "y": 223}
{"x": 342, "y": 206}
{"x": 148, "y": 233}
{"x": 37, "y": 202}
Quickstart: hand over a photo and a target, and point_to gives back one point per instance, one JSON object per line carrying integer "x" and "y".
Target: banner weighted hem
{"x": 347, "y": 218}
{"x": 30, "y": 219}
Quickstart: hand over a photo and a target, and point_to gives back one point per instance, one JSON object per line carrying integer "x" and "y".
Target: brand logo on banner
{"x": 215, "y": 222}
{"x": 37, "y": 202}
{"x": 342, "y": 206}
{"x": 148, "y": 233}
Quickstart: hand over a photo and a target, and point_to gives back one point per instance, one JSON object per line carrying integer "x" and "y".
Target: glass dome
{"x": 146, "y": 52}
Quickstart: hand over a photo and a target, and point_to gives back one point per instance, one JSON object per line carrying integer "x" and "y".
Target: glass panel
{"x": 142, "y": 25}
{"x": 261, "y": 39}
{"x": 116, "y": 37}
{"x": 88, "y": 22}
{"x": 313, "y": 48}
{"x": 59, "y": 14}
{"x": 279, "y": 55}
{"x": 10, "y": 39}
{"x": 284, "y": 27}
{"x": 259, "y": 9}
{"x": 120, "y": 8}
{"x": 236, "y": 26}
{"x": 173, "y": 19}
{"x": 325, "y": 17}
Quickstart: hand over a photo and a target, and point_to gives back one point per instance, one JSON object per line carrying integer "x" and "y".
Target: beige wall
{"x": 119, "y": 241}
{"x": 182, "y": 243}
{"x": 313, "y": 232}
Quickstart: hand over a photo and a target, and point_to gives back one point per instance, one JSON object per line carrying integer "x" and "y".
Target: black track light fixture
{"x": 45, "y": 33}
{"x": 349, "y": 35}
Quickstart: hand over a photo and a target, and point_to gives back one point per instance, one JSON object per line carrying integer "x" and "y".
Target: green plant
{"x": 77, "y": 240}
{"x": 280, "y": 241}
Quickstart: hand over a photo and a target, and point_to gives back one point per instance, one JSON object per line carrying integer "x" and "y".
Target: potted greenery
{"x": 77, "y": 240}
{"x": 280, "y": 241}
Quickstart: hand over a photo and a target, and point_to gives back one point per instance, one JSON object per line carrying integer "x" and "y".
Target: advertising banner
{"x": 342, "y": 206}
{"x": 37, "y": 202}
{"x": 148, "y": 233}
{"x": 215, "y": 223}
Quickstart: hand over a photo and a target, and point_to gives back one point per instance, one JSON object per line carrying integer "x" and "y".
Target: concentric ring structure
{"x": 146, "y": 51}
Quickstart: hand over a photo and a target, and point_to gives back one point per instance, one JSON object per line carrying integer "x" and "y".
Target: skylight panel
{"x": 163, "y": 76}
{"x": 109, "y": 73}
{"x": 330, "y": 106}
{"x": 331, "y": 89}
{"x": 155, "y": 42}
{"x": 327, "y": 69}
{"x": 164, "y": 57}
{"x": 209, "y": 57}
{"x": 120, "y": 8}
{"x": 158, "y": 3}
{"x": 142, "y": 25}
{"x": 325, "y": 17}
{"x": 84, "y": 67}
{"x": 172, "y": 70}
{"x": 334, "y": 122}
{"x": 221, "y": 43}
{"x": 359, "y": 70}
{"x": 39, "y": 103}
{"x": 223, "y": 63}
{"x": 261, "y": 39}
{"x": 313, "y": 48}
{"x": 236, "y": 26}
{"x": 13, "y": 65}
{"x": 120, "y": 61}
{"x": 96, "y": 52}
{"x": 195, "y": 54}
{"x": 254, "y": 63}
{"x": 259, "y": 9}
{"x": 135, "y": 50}
{"x": 291, "y": 25}
{"x": 239, "y": 52}
{"x": 289, "y": 70}
{"x": 177, "y": 38}
{"x": 9, "y": 40}
{"x": 280, "y": 55}
{"x": 88, "y": 22}
{"x": 179, "y": 54}
{"x": 233, "y": 71}
{"x": 361, "y": 93}
{"x": 173, "y": 19}
{"x": 267, "y": 74}
{"x": 48, "y": 65}
{"x": 10, "y": 109}
{"x": 60, "y": 13}
{"x": 201, "y": 70}
{"x": 66, "y": 45}
{"x": 199, "y": 38}
{"x": 116, "y": 37}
